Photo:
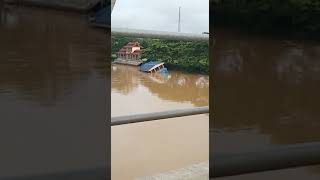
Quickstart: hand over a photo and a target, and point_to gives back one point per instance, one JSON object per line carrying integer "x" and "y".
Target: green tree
{"x": 180, "y": 55}
{"x": 270, "y": 15}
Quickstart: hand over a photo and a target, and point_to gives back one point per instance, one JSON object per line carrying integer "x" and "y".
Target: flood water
{"x": 149, "y": 148}
{"x": 265, "y": 93}
{"x": 52, "y": 92}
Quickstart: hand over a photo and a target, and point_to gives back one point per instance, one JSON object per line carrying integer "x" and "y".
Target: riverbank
{"x": 178, "y": 55}
{"x": 299, "y": 18}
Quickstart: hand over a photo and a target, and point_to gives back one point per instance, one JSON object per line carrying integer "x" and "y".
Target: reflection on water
{"x": 149, "y": 148}
{"x": 52, "y": 74}
{"x": 266, "y": 93}
{"x": 126, "y": 79}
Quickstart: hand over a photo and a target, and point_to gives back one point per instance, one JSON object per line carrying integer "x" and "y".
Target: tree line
{"x": 272, "y": 15}
{"x": 179, "y": 55}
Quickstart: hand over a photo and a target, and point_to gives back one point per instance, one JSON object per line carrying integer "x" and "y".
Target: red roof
{"x": 132, "y": 44}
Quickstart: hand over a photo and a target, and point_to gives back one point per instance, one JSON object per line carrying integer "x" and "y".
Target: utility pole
{"x": 179, "y": 25}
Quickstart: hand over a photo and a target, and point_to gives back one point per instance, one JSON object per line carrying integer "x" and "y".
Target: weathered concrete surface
{"x": 194, "y": 172}
{"x": 78, "y": 5}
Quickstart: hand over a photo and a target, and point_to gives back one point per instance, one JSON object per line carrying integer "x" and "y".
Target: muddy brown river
{"x": 265, "y": 93}
{"x": 53, "y": 91}
{"x": 53, "y": 100}
{"x": 149, "y": 148}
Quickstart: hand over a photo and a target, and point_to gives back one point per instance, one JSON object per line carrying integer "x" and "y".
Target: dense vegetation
{"x": 276, "y": 15}
{"x": 180, "y": 55}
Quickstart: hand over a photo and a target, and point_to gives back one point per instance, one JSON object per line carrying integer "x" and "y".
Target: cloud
{"x": 162, "y": 15}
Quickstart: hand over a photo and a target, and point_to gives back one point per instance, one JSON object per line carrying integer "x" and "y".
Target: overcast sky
{"x": 162, "y": 15}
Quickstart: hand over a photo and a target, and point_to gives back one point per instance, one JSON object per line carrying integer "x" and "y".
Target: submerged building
{"x": 131, "y": 51}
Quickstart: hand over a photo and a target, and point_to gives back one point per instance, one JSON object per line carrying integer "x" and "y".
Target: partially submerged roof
{"x": 148, "y": 66}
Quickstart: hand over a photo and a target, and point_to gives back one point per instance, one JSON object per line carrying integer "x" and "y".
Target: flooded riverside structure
{"x": 53, "y": 84}
{"x": 131, "y": 51}
{"x": 150, "y": 148}
{"x": 175, "y": 147}
{"x": 265, "y": 94}
{"x": 129, "y": 54}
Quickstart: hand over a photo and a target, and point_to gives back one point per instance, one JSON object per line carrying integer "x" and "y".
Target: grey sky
{"x": 162, "y": 15}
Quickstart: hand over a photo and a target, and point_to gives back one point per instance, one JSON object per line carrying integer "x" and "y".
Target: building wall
{"x": 135, "y": 48}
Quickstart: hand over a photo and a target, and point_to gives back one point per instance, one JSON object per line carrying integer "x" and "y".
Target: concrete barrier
{"x": 198, "y": 171}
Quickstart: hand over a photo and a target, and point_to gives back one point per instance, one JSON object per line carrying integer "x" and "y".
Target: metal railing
{"x": 222, "y": 165}
{"x": 121, "y": 120}
{"x": 159, "y": 34}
